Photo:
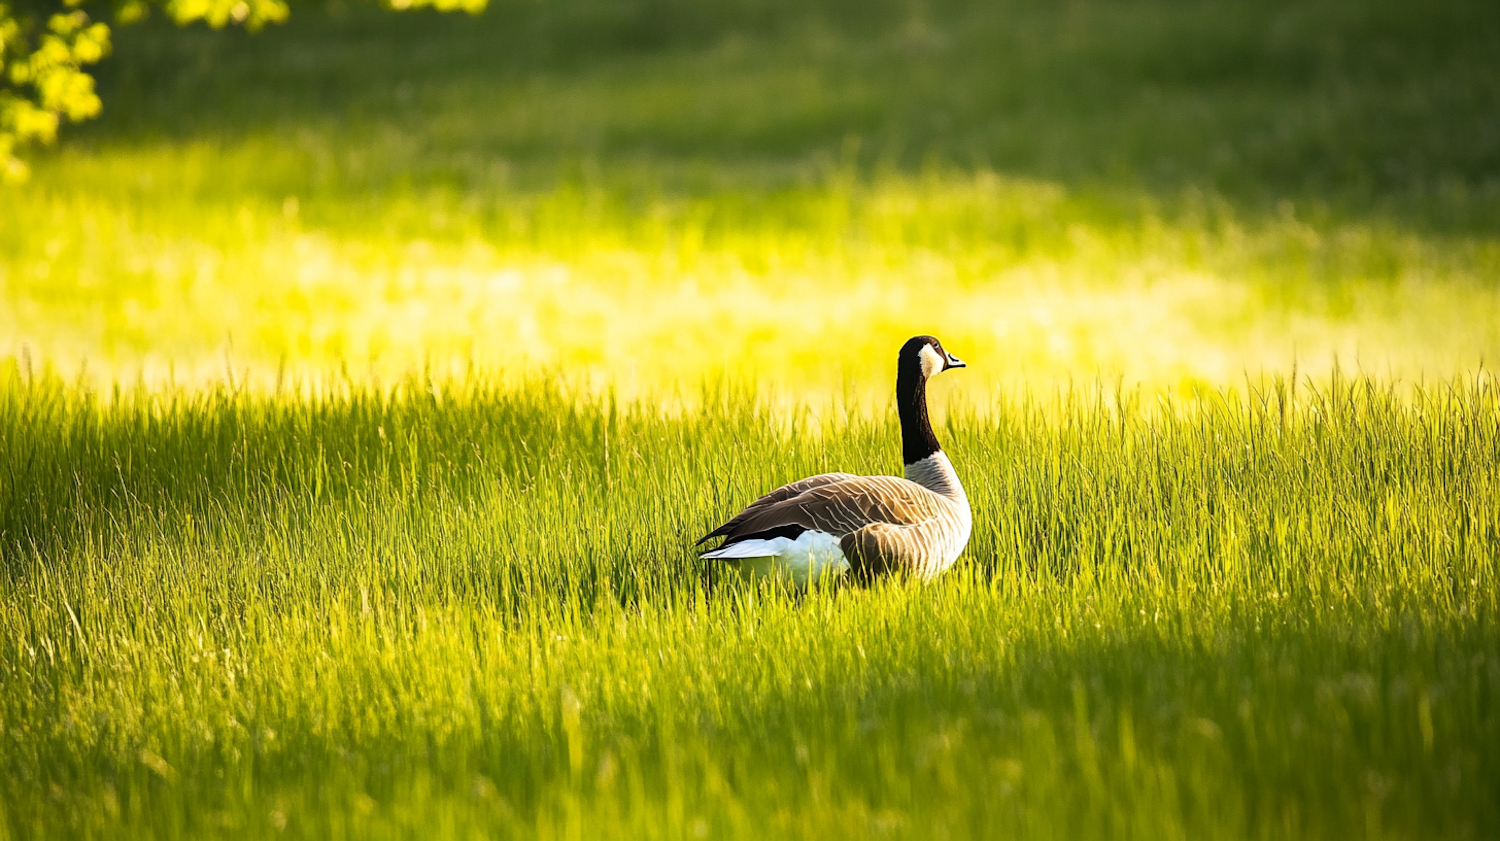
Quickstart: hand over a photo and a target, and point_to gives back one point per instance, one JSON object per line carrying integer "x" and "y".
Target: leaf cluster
{"x": 46, "y": 47}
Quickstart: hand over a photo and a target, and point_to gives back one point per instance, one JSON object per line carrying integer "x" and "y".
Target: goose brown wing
{"x": 781, "y": 494}
{"x": 838, "y": 507}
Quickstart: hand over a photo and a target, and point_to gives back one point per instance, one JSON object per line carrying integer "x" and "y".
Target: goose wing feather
{"x": 787, "y": 491}
{"x": 840, "y": 505}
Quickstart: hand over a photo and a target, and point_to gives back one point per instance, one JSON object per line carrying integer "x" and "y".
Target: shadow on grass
{"x": 1359, "y": 106}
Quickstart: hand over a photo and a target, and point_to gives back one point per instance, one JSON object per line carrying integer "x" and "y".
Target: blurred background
{"x": 652, "y": 194}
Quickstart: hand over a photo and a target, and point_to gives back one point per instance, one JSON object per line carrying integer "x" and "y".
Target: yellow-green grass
{"x": 647, "y": 194}
{"x": 1215, "y": 590}
{"x": 462, "y": 610}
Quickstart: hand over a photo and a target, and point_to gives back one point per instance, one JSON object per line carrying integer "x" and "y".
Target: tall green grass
{"x": 459, "y": 609}
{"x": 241, "y": 597}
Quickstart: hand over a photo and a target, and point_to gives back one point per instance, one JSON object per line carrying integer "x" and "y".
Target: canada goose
{"x": 832, "y": 522}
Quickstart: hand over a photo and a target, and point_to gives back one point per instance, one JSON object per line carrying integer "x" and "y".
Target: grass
{"x": 1175, "y": 193}
{"x": 364, "y": 383}
{"x": 461, "y": 609}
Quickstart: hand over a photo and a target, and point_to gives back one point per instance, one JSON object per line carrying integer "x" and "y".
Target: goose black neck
{"x": 917, "y": 440}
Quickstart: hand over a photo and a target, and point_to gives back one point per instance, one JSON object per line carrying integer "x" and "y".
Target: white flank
{"x": 811, "y": 556}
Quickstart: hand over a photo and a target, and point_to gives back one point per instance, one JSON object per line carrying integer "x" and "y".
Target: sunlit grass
{"x": 364, "y": 385}
{"x": 646, "y": 196}
{"x": 461, "y": 610}
{"x": 809, "y": 287}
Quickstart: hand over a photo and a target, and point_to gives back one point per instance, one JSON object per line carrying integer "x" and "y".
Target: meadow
{"x": 1178, "y": 194}
{"x": 465, "y": 610}
{"x": 365, "y": 382}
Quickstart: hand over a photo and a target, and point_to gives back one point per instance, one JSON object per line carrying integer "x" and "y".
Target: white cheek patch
{"x": 932, "y": 361}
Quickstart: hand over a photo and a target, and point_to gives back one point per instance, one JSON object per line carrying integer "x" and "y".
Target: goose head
{"x": 925, "y": 355}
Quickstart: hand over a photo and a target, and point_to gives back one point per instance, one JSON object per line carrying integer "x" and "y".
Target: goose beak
{"x": 954, "y": 362}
